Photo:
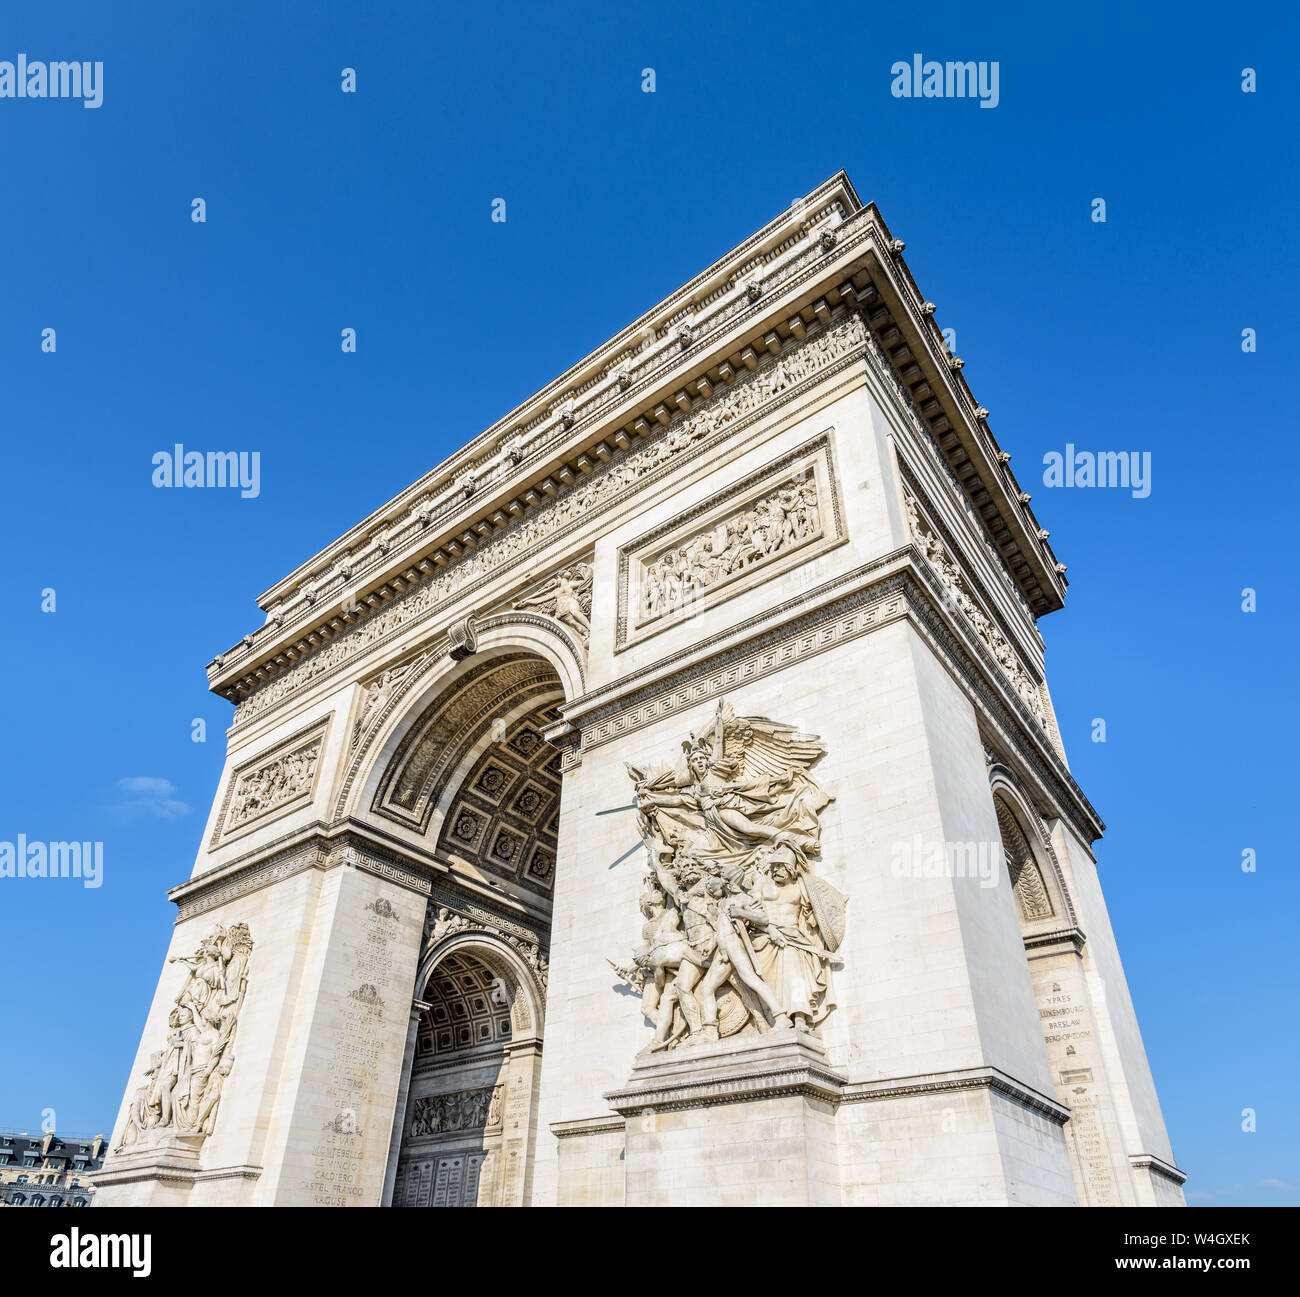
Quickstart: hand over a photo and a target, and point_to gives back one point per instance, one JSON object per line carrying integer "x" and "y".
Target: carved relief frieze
{"x": 566, "y": 597}
{"x": 959, "y": 593}
{"x": 184, "y": 1079}
{"x": 907, "y": 404}
{"x": 740, "y": 933}
{"x": 647, "y": 351}
{"x": 443, "y": 921}
{"x": 628, "y": 470}
{"x": 272, "y": 784}
{"x": 778, "y": 517}
{"x": 441, "y": 1114}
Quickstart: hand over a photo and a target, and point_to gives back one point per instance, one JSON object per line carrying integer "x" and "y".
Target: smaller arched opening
{"x": 1064, "y": 990}
{"x": 467, "y": 1136}
{"x": 1042, "y": 903}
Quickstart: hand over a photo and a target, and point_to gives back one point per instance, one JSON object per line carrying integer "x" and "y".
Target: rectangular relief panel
{"x": 775, "y": 519}
{"x": 272, "y": 783}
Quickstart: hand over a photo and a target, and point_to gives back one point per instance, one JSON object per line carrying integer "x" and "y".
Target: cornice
{"x": 935, "y": 373}
{"x": 360, "y": 846}
{"x": 797, "y": 369}
{"x": 763, "y": 258}
{"x": 1057, "y": 942}
{"x": 737, "y": 1070}
{"x": 602, "y": 1125}
{"x": 826, "y": 252}
{"x": 975, "y": 1078}
{"x": 1150, "y": 1162}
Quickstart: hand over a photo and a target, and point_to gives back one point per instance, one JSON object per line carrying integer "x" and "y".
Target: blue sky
{"x": 371, "y": 211}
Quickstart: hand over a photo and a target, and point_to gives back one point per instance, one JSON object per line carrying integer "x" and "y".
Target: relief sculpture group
{"x": 773, "y": 524}
{"x": 185, "y": 1079}
{"x": 740, "y": 934}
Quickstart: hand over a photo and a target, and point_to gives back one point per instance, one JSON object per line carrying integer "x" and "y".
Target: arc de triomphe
{"x": 661, "y": 802}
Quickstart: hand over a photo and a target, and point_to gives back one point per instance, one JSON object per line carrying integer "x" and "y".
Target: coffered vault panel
{"x": 442, "y": 738}
{"x": 467, "y": 1007}
{"x": 506, "y": 815}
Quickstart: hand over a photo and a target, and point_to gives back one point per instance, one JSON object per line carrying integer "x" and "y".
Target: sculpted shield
{"x": 828, "y": 909}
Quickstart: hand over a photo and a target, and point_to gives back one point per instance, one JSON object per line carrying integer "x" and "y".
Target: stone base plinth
{"x": 161, "y": 1170}
{"x": 746, "y": 1122}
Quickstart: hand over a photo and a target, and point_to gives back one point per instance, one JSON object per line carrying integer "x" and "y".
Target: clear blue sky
{"x": 371, "y": 211}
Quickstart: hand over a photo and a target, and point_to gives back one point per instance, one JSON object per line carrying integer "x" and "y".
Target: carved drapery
{"x": 185, "y": 1078}
{"x": 740, "y": 934}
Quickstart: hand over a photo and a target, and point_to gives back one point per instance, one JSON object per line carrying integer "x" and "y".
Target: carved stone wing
{"x": 767, "y": 749}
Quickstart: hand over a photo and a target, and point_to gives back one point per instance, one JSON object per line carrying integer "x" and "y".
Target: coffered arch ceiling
{"x": 506, "y": 813}
{"x": 468, "y": 1006}
{"x": 474, "y": 770}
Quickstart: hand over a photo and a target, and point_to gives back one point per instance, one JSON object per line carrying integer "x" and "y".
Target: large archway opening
{"x": 470, "y": 771}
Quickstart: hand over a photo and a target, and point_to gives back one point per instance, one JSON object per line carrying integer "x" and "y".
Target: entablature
{"x": 827, "y": 255}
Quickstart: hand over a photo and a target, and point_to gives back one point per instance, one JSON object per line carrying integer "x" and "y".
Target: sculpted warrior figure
{"x": 567, "y": 598}
{"x": 185, "y": 1079}
{"x": 740, "y": 933}
{"x": 740, "y": 783}
{"x": 735, "y": 961}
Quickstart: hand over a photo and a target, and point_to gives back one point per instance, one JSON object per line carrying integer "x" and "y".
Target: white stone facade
{"x": 424, "y": 818}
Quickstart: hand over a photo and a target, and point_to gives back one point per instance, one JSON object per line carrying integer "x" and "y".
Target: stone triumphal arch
{"x": 661, "y": 801}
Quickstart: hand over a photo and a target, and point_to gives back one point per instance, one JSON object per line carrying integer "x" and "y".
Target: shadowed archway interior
{"x": 475, "y": 776}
